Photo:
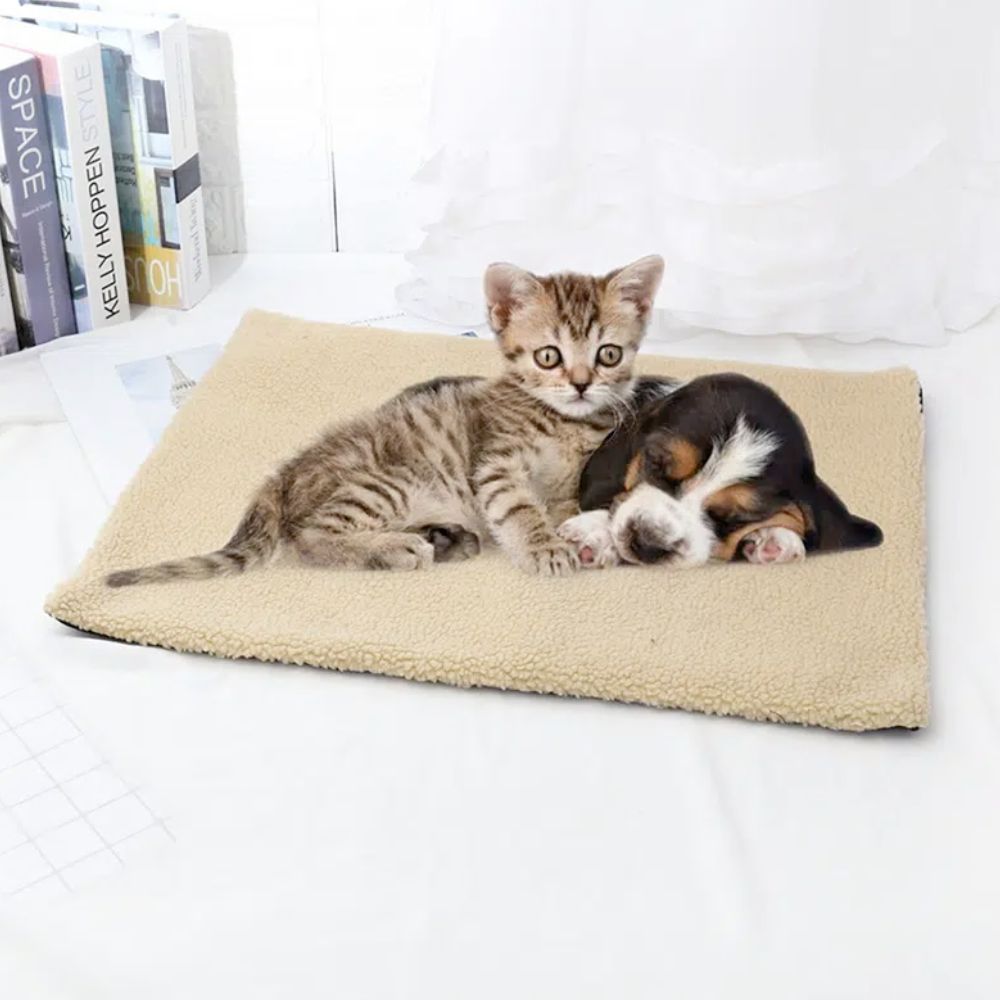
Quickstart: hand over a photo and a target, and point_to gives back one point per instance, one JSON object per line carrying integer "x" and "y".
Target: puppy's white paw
{"x": 590, "y": 533}
{"x": 773, "y": 545}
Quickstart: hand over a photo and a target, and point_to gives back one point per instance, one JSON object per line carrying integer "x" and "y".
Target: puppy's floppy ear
{"x": 638, "y": 283}
{"x": 836, "y": 527}
{"x": 603, "y": 477}
{"x": 507, "y": 288}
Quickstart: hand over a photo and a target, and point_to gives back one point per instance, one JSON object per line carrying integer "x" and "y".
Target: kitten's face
{"x": 571, "y": 339}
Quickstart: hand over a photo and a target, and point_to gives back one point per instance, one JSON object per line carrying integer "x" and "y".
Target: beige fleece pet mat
{"x": 836, "y": 641}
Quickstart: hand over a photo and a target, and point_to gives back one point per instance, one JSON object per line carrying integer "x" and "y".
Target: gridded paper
{"x": 67, "y": 818}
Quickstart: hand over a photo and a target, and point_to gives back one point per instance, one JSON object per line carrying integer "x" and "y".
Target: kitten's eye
{"x": 547, "y": 357}
{"x": 609, "y": 355}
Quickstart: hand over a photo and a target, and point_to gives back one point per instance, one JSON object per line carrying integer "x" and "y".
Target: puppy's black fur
{"x": 704, "y": 412}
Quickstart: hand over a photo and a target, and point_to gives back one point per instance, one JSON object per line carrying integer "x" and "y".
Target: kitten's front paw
{"x": 590, "y": 534}
{"x": 773, "y": 545}
{"x": 556, "y": 559}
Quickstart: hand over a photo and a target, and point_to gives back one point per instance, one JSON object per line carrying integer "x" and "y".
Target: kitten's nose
{"x": 579, "y": 378}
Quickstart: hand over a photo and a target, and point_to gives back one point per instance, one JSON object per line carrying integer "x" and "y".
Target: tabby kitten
{"x": 421, "y": 477}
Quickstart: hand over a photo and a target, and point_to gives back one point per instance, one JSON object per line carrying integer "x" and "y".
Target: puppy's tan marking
{"x": 684, "y": 458}
{"x": 633, "y": 472}
{"x": 740, "y": 498}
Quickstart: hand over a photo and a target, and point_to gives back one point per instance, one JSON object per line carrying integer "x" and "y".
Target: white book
{"x": 8, "y": 325}
{"x": 147, "y": 67}
{"x": 77, "y": 113}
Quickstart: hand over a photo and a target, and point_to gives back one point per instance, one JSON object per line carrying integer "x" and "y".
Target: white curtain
{"x": 805, "y": 166}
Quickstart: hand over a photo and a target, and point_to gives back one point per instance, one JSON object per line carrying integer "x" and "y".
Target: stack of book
{"x": 100, "y": 188}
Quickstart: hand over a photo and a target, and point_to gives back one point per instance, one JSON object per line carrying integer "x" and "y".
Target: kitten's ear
{"x": 638, "y": 282}
{"x": 507, "y": 287}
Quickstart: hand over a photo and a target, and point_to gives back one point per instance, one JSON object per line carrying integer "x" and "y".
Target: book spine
{"x": 90, "y": 172}
{"x": 32, "y": 227}
{"x": 8, "y": 324}
{"x": 187, "y": 190}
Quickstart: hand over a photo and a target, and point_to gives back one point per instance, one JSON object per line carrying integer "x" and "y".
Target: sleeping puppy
{"x": 718, "y": 467}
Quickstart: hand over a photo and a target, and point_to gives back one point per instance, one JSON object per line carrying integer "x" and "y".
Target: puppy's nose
{"x": 648, "y": 552}
{"x": 648, "y": 547}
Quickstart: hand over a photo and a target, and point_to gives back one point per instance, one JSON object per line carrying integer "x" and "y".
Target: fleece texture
{"x": 836, "y": 641}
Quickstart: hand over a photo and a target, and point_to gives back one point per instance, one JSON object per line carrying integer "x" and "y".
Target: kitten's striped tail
{"x": 253, "y": 542}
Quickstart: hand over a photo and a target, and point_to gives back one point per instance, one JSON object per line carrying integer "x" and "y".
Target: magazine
{"x": 118, "y": 398}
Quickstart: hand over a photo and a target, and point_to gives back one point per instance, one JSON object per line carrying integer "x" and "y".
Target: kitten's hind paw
{"x": 554, "y": 559}
{"x": 406, "y": 553}
{"x": 452, "y": 542}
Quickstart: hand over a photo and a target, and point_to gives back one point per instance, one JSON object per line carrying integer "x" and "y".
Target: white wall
{"x": 312, "y": 84}
{"x": 377, "y": 59}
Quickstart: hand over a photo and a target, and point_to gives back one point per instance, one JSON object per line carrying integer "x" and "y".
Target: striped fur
{"x": 497, "y": 457}
{"x": 254, "y": 541}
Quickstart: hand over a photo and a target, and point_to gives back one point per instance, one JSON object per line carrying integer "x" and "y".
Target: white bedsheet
{"x": 364, "y": 837}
